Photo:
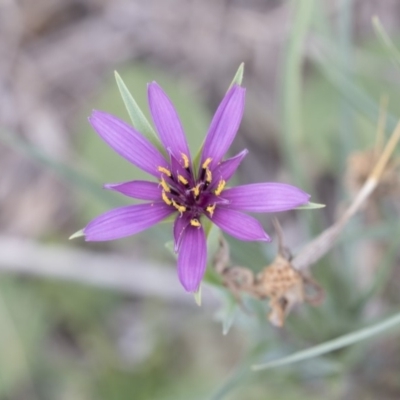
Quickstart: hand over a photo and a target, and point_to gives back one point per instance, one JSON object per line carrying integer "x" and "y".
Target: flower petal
{"x": 227, "y": 168}
{"x": 143, "y": 190}
{"x": 127, "y": 142}
{"x": 126, "y": 221}
{"x": 239, "y": 225}
{"x": 265, "y": 197}
{"x": 180, "y": 224}
{"x": 224, "y": 126}
{"x": 192, "y": 257}
{"x": 166, "y": 120}
{"x": 178, "y": 169}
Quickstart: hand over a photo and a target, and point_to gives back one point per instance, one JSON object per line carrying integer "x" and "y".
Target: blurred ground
{"x": 57, "y": 57}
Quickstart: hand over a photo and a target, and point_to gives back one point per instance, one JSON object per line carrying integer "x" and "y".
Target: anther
{"x": 211, "y": 209}
{"x": 183, "y": 180}
{"x": 185, "y": 161}
{"x": 208, "y": 176}
{"x": 180, "y": 208}
{"x": 196, "y": 190}
{"x": 165, "y": 198}
{"x": 164, "y": 171}
{"x": 195, "y": 222}
{"x": 206, "y": 163}
{"x": 220, "y": 188}
{"x": 164, "y": 185}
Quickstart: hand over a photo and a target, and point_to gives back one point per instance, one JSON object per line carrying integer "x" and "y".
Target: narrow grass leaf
{"x": 139, "y": 121}
{"x": 386, "y": 41}
{"x": 332, "y": 345}
{"x": 229, "y": 318}
{"x": 85, "y": 183}
{"x": 354, "y": 94}
{"x": 292, "y": 79}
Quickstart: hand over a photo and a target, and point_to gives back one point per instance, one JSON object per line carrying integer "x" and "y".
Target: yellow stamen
{"x": 196, "y": 190}
{"x": 182, "y": 180}
{"x": 180, "y": 208}
{"x": 206, "y": 163}
{"x": 195, "y": 222}
{"x": 165, "y": 198}
{"x": 211, "y": 209}
{"x": 185, "y": 161}
{"x": 208, "y": 176}
{"x": 164, "y": 171}
{"x": 220, "y": 188}
{"x": 164, "y": 185}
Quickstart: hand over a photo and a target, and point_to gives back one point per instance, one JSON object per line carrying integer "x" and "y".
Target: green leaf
{"x": 310, "y": 206}
{"x": 386, "y": 41}
{"x": 229, "y": 317}
{"x": 170, "y": 247}
{"x": 292, "y": 87}
{"x": 78, "y": 178}
{"x": 355, "y": 95}
{"x": 77, "y": 234}
{"x": 338, "y": 343}
{"x": 139, "y": 121}
{"x": 197, "y": 296}
{"x": 237, "y": 80}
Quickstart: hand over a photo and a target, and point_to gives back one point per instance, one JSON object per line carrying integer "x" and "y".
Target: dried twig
{"x": 318, "y": 247}
{"x": 284, "y": 282}
{"x": 132, "y": 276}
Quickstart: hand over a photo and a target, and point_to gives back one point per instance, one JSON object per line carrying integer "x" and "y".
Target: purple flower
{"x": 179, "y": 189}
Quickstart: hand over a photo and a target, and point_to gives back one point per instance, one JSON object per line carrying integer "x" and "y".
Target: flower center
{"x": 188, "y": 195}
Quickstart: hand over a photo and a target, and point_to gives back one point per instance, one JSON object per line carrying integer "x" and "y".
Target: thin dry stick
{"x": 132, "y": 275}
{"x": 384, "y": 101}
{"x": 318, "y": 247}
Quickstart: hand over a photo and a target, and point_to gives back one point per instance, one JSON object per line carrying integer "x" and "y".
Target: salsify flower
{"x": 192, "y": 195}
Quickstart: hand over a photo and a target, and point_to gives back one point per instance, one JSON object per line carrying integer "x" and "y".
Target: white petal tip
{"x": 77, "y": 234}
{"x": 197, "y": 296}
{"x": 310, "y": 206}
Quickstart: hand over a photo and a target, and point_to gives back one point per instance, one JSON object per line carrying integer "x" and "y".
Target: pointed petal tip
{"x": 153, "y": 84}
{"x": 95, "y": 114}
{"x": 77, "y": 234}
{"x": 110, "y": 186}
{"x": 266, "y": 238}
